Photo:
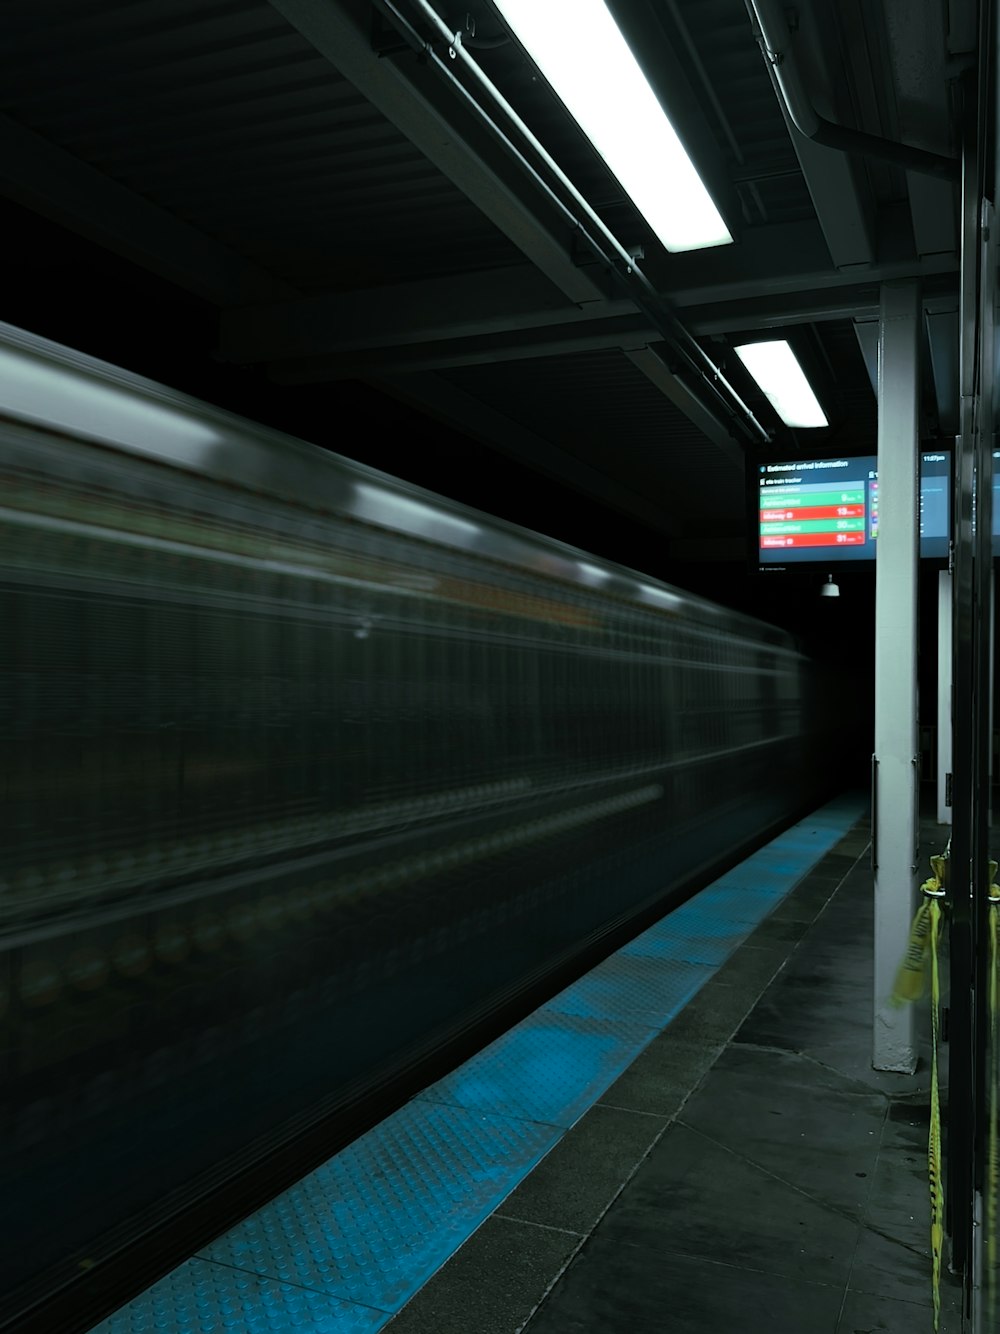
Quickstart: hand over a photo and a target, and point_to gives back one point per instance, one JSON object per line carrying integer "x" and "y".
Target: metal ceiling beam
{"x": 940, "y": 314}
{"x": 589, "y": 336}
{"x": 419, "y": 354}
{"x": 779, "y": 279}
{"x": 623, "y": 331}
{"x": 450, "y": 145}
{"x": 48, "y": 180}
{"x": 341, "y": 32}
{"x": 920, "y": 77}
{"x": 494, "y": 301}
{"x": 835, "y": 183}
{"x": 942, "y": 340}
{"x": 454, "y": 407}
{"x": 339, "y": 329}
{"x": 654, "y": 367}
{"x": 789, "y": 259}
{"x": 807, "y": 307}
{"x": 866, "y": 332}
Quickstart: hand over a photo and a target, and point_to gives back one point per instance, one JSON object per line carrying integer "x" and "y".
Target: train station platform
{"x": 688, "y": 1138}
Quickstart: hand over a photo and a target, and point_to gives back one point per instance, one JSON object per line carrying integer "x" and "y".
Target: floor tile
{"x": 693, "y": 1197}
{"x": 880, "y": 1313}
{"x": 780, "y": 930}
{"x": 715, "y": 1013}
{"x": 754, "y": 966}
{"x": 661, "y": 1078}
{"x": 575, "y": 1183}
{"x": 615, "y": 1289}
{"x": 802, "y": 907}
{"x": 892, "y": 1267}
{"x": 794, "y": 1118}
{"x": 822, "y": 1007}
{"x": 493, "y": 1284}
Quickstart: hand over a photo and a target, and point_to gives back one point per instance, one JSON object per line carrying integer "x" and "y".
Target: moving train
{"x": 307, "y": 772}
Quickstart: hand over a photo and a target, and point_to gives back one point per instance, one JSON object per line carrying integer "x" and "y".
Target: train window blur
{"x": 294, "y": 795}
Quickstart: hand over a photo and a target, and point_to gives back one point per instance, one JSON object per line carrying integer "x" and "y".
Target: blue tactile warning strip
{"x": 343, "y": 1250}
{"x": 203, "y": 1298}
{"x": 546, "y": 1068}
{"x": 634, "y": 988}
{"x": 372, "y": 1223}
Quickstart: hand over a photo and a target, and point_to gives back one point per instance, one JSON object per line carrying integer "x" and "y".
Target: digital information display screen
{"x": 827, "y": 509}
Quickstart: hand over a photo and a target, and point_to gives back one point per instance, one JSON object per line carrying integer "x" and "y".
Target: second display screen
{"x": 828, "y": 509}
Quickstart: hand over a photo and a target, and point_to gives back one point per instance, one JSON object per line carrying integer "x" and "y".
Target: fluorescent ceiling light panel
{"x": 776, "y": 369}
{"x": 577, "y": 46}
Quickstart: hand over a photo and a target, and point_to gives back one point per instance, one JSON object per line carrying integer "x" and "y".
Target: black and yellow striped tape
{"x": 934, "y": 1166}
{"x": 993, "y": 1084}
{"x": 921, "y": 958}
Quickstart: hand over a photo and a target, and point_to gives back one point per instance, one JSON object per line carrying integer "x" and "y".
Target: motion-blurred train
{"x": 306, "y": 773}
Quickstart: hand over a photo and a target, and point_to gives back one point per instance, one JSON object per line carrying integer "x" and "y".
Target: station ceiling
{"x": 285, "y": 207}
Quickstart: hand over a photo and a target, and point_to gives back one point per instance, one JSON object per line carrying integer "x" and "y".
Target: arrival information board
{"x": 827, "y": 509}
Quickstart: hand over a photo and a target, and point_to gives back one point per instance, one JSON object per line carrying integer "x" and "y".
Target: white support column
{"x": 894, "y": 818}
{"x": 943, "y": 696}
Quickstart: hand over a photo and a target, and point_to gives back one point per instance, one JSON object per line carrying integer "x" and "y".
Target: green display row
{"x": 816, "y": 526}
{"x": 776, "y": 500}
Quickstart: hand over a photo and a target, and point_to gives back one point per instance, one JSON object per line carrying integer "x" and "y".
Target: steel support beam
{"x": 866, "y": 331}
{"x": 942, "y": 340}
{"x": 894, "y": 815}
{"x": 835, "y": 183}
{"x": 920, "y": 79}
{"x": 398, "y": 350}
{"x": 470, "y": 305}
{"x": 54, "y": 183}
{"x": 341, "y": 32}
{"x": 510, "y": 311}
{"x": 588, "y": 337}
{"x": 513, "y": 300}
{"x": 650, "y": 362}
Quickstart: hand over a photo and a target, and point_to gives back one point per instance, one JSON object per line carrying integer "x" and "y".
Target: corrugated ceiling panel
{"x": 721, "y": 31}
{"x": 600, "y": 409}
{"x": 221, "y": 113}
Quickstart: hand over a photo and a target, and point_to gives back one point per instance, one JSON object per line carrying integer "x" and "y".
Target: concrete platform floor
{"x": 749, "y": 1170}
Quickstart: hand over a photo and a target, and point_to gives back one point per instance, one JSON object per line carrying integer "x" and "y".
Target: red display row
{"x": 813, "y": 540}
{"x": 814, "y": 512}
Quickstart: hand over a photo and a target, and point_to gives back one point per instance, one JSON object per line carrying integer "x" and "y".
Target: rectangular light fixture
{"x": 581, "y": 52}
{"x": 776, "y": 369}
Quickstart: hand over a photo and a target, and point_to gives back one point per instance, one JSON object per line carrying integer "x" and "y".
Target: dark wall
{"x": 64, "y": 287}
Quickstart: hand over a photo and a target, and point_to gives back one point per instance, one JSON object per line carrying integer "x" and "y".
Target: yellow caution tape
{"x": 921, "y": 950}
{"x": 934, "y": 1138}
{"x": 993, "y": 1132}
{"x": 912, "y": 975}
